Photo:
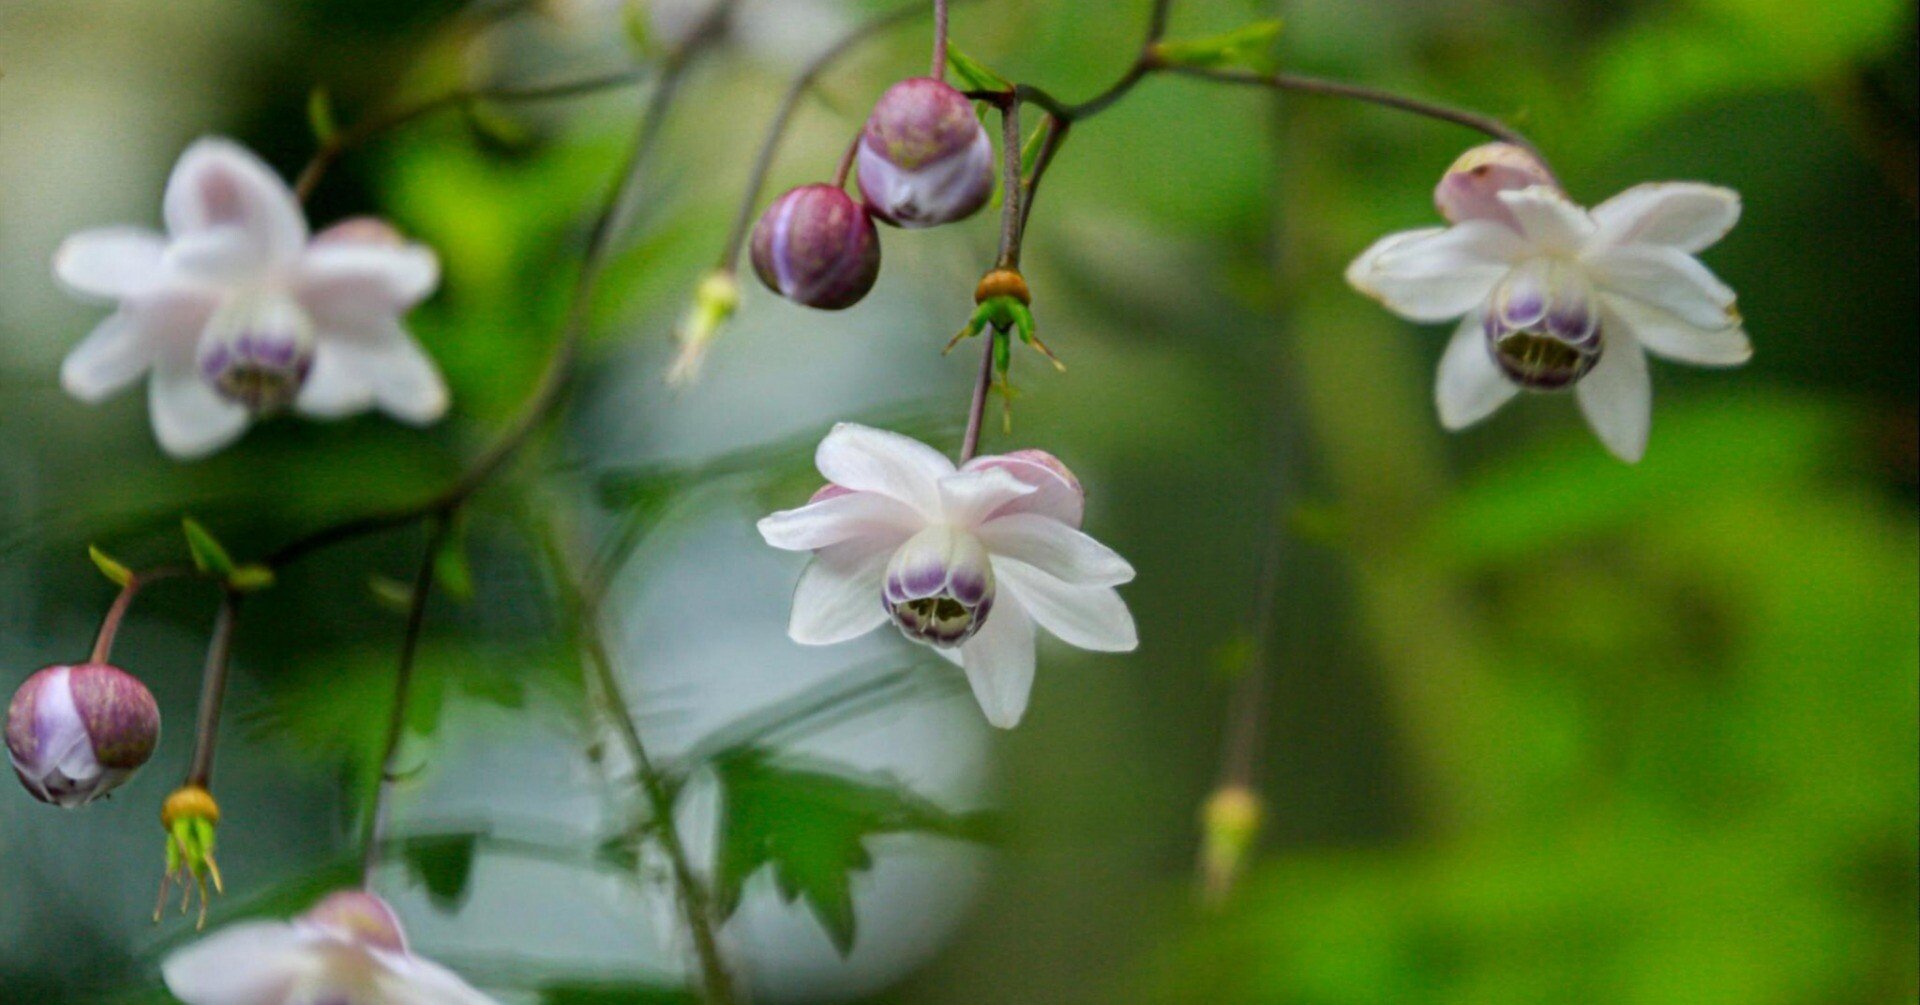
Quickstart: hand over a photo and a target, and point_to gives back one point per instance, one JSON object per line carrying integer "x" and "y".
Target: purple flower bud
{"x": 924, "y": 158}
{"x": 75, "y": 733}
{"x": 939, "y": 586}
{"x": 1543, "y": 326}
{"x": 257, "y": 352}
{"x": 816, "y": 246}
{"x": 1471, "y": 188}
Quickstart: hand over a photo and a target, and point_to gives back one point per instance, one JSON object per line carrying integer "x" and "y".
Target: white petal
{"x": 1685, "y": 215}
{"x": 189, "y": 419}
{"x": 1666, "y": 335}
{"x": 1549, "y": 220}
{"x": 112, "y": 262}
{"x": 999, "y": 663}
{"x": 414, "y": 980}
{"x": 403, "y": 378}
{"x": 1057, "y": 493}
{"x": 390, "y": 277}
{"x": 1436, "y": 274}
{"x": 251, "y": 963}
{"x": 1469, "y": 386}
{"x": 219, "y": 183}
{"x": 841, "y": 518}
{"x": 838, "y": 597}
{"x": 1090, "y": 617}
{"x": 874, "y": 460}
{"x": 335, "y": 387}
{"x": 115, "y": 355}
{"x": 1055, "y": 548}
{"x": 1667, "y": 278}
{"x": 969, "y": 497}
{"x": 1617, "y": 398}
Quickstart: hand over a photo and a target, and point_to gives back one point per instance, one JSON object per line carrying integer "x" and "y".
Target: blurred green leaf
{"x": 320, "y": 117}
{"x": 444, "y": 865}
{"x": 451, "y": 569}
{"x": 614, "y": 994}
{"x": 973, "y": 74}
{"x": 209, "y": 555}
{"x": 1250, "y": 47}
{"x": 251, "y": 578}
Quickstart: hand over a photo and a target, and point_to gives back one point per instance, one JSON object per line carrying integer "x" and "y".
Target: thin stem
{"x": 1011, "y": 187}
{"x": 347, "y": 140}
{"x": 977, "y": 408}
{"x": 939, "y": 70}
{"x": 375, "y": 823}
{"x": 776, "y": 129}
{"x": 846, "y": 161}
{"x": 213, "y": 689}
{"x": 110, "y": 624}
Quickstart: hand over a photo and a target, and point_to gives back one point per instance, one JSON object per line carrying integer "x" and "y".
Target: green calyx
{"x": 1005, "y": 317}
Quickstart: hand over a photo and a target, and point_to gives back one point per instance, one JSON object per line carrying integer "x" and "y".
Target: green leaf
{"x": 209, "y": 555}
{"x": 809, "y": 823}
{"x": 451, "y": 570}
{"x": 444, "y": 865}
{"x": 251, "y": 578}
{"x": 320, "y": 116}
{"x": 974, "y": 75}
{"x": 1249, "y": 47}
{"x": 497, "y": 127}
{"x": 119, "y": 574}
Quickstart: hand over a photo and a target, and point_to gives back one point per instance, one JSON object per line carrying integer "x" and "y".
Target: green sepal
{"x": 320, "y": 116}
{"x": 209, "y": 555}
{"x": 116, "y": 573}
{"x": 1248, "y": 47}
{"x": 974, "y": 75}
{"x": 251, "y": 578}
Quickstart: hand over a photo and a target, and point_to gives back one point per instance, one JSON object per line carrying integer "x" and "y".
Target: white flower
{"x": 348, "y": 949}
{"x": 964, "y": 560}
{"x": 1555, "y": 296}
{"x": 238, "y": 313}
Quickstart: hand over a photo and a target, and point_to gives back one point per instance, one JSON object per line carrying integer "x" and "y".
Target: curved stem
{"x": 846, "y": 161}
{"x": 213, "y": 689}
{"x": 110, "y": 624}
{"x": 939, "y": 68}
{"x": 375, "y": 823}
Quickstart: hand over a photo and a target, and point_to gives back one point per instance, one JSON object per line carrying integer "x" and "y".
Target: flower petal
{"x": 838, "y": 518}
{"x": 1055, "y": 548}
{"x": 1617, "y": 399}
{"x": 113, "y": 356}
{"x": 838, "y": 597}
{"x": 415, "y": 980}
{"x": 1681, "y": 214}
{"x": 384, "y": 276}
{"x": 999, "y": 663}
{"x": 967, "y": 498}
{"x": 335, "y": 388}
{"x": 250, "y": 963}
{"x": 1667, "y": 278}
{"x": 1664, "y": 334}
{"x": 112, "y": 262}
{"x": 404, "y": 381}
{"x": 1469, "y": 386}
{"x": 874, "y": 460}
{"x": 1549, "y": 220}
{"x": 189, "y": 419}
{"x": 1057, "y": 493}
{"x": 219, "y": 183}
{"x": 1090, "y": 617}
{"x": 1436, "y": 274}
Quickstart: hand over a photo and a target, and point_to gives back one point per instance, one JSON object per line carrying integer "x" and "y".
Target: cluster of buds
{"x": 76, "y": 733}
{"x": 924, "y": 159}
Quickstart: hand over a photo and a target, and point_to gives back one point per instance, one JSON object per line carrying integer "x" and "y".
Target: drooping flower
{"x": 1554, "y": 296}
{"x": 76, "y": 733}
{"x": 815, "y": 246}
{"x": 349, "y": 948}
{"x": 238, "y": 313}
{"x": 965, "y": 560}
{"x": 924, "y": 158}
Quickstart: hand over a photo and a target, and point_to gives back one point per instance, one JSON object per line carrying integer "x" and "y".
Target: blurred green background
{"x": 1542, "y": 727}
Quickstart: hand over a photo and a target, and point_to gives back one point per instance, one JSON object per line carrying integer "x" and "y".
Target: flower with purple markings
{"x": 237, "y": 313}
{"x": 966, "y": 560}
{"x": 1553, "y": 296}
{"x": 76, "y": 733}
{"x": 348, "y": 948}
{"x": 924, "y": 158}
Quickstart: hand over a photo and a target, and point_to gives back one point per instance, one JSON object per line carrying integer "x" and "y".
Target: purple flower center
{"x": 257, "y": 352}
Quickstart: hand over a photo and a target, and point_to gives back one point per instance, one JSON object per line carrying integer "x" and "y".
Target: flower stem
{"x": 977, "y": 408}
{"x": 110, "y": 624}
{"x": 374, "y": 826}
{"x": 939, "y": 68}
{"x": 846, "y": 161}
{"x": 1010, "y": 185}
{"x": 213, "y": 689}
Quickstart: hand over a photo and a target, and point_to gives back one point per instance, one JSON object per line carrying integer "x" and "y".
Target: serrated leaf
{"x": 209, "y": 555}
{"x": 1248, "y": 47}
{"x": 320, "y": 116}
{"x": 118, "y": 574}
{"x": 444, "y": 865}
{"x": 250, "y": 578}
{"x": 973, "y": 74}
{"x": 809, "y": 823}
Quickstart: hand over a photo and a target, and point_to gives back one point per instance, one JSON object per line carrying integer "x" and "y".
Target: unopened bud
{"x": 924, "y": 158}
{"x": 816, "y": 246}
{"x": 1230, "y": 821}
{"x": 1471, "y": 188}
{"x": 75, "y": 733}
{"x": 714, "y": 301}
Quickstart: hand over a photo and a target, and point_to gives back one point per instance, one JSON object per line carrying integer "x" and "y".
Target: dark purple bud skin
{"x": 120, "y": 714}
{"x": 74, "y": 733}
{"x": 924, "y": 158}
{"x": 816, "y": 246}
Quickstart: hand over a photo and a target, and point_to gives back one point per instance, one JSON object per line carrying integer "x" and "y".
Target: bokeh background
{"x": 1541, "y": 726}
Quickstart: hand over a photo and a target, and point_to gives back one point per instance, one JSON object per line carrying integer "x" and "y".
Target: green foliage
{"x": 1250, "y": 47}
{"x": 320, "y": 117}
{"x": 443, "y": 863}
{"x": 973, "y": 74}
{"x": 116, "y": 573}
{"x": 614, "y": 994}
{"x": 209, "y": 555}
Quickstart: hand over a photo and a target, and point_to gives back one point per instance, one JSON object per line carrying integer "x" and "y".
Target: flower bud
{"x": 939, "y": 586}
{"x": 924, "y": 158}
{"x": 1229, "y": 822}
{"x": 75, "y": 733}
{"x": 190, "y": 816}
{"x": 257, "y": 352}
{"x": 816, "y": 246}
{"x": 361, "y": 230}
{"x": 717, "y": 297}
{"x": 1470, "y": 190}
{"x": 1543, "y": 327}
